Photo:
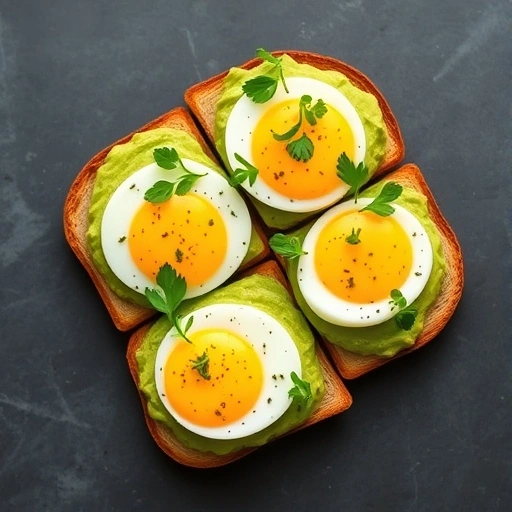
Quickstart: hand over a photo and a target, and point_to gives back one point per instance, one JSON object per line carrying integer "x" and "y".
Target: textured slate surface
{"x": 431, "y": 431}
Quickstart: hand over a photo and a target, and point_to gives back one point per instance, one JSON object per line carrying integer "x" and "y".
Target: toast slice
{"x": 336, "y": 399}
{"x": 202, "y": 98}
{"x": 352, "y": 365}
{"x": 124, "y": 314}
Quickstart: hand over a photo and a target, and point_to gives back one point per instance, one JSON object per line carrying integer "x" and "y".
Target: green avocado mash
{"x": 365, "y": 104}
{"x": 269, "y": 296}
{"x": 385, "y": 339}
{"x": 122, "y": 161}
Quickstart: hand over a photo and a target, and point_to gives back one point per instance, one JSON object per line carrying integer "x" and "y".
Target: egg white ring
{"x": 349, "y": 314}
{"x": 129, "y": 197}
{"x": 275, "y": 348}
{"x": 245, "y": 116}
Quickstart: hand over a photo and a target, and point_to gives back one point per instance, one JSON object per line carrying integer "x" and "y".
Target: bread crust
{"x": 336, "y": 399}
{"x": 352, "y": 365}
{"x": 202, "y": 100}
{"x": 124, "y": 314}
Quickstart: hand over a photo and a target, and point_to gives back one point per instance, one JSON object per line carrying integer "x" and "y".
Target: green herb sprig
{"x": 286, "y": 246}
{"x": 379, "y": 205}
{"x": 163, "y": 190}
{"x": 353, "y": 238}
{"x": 301, "y": 392}
{"x": 171, "y": 294}
{"x": 302, "y": 149}
{"x": 352, "y": 175}
{"x": 406, "y": 317}
{"x": 263, "y": 87}
{"x": 201, "y": 364}
{"x": 241, "y": 174}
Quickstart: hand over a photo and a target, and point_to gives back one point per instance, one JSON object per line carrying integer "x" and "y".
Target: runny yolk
{"x": 235, "y": 382}
{"x": 186, "y": 231}
{"x": 331, "y": 136}
{"x": 365, "y": 272}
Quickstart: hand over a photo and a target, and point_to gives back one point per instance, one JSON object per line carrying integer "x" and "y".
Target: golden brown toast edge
{"x": 124, "y": 314}
{"x": 351, "y": 365}
{"x": 202, "y": 99}
{"x": 336, "y": 399}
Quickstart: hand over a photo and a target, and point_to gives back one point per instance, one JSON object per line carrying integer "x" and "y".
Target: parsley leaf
{"x": 389, "y": 192}
{"x": 170, "y": 295}
{"x": 286, "y": 246}
{"x": 167, "y": 158}
{"x": 163, "y": 190}
{"x": 301, "y": 149}
{"x": 240, "y": 174}
{"x": 261, "y": 88}
{"x": 353, "y": 238}
{"x": 353, "y": 176}
{"x": 301, "y": 392}
{"x": 201, "y": 364}
{"x": 405, "y": 318}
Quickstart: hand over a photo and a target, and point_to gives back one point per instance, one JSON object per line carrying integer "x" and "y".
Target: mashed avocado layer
{"x": 122, "y": 161}
{"x": 365, "y": 104}
{"x": 266, "y": 294}
{"x": 385, "y": 339}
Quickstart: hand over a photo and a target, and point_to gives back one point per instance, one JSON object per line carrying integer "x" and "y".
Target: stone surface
{"x": 431, "y": 431}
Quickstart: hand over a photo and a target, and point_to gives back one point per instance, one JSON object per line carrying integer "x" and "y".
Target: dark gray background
{"x": 430, "y": 432}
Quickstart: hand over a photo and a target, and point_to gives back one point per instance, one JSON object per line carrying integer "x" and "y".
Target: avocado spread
{"x": 385, "y": 339}
{"x": 266, "y": 294}
{"x": 365, "y": 104}
{"x": 122, "y": 161}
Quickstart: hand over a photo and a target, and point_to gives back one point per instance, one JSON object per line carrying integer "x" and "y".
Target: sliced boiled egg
{"x": 203, "y": 234}
{"x": 350, "y": 284}
{"x": 250, "y": 359}
{"x": 283, "y": 182}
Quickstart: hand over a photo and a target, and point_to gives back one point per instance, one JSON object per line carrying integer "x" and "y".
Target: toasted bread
{"x": 335, "y": 400}
{"x": 125, "y": 314}
{"x": 202, "y": 98}
{"x": 352, "y": 365}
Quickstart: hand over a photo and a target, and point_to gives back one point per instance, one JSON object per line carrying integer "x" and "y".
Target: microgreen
{"x": 301, "y": 392}
{"x": 241, "y": 174}
{"x": 353, "y": 238}
{"x": 201, "y": 364}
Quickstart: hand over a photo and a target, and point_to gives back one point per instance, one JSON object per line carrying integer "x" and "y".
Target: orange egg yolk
{"x": 234, "y": 385}
{"x": 186, "y": 231}
{"x": 365, "y": 272}
{"x": 331, "y": 136}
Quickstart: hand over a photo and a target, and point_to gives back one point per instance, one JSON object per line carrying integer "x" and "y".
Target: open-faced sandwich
{"x": 378, "y": 275}
{"x": 238, "y": 369}
{"x": 158, "y": 196}
{"x": 280, "y": 123}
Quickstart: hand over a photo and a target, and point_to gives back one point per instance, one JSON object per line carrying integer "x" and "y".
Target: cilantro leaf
{"x": 389, "y": 192}
{"x": 301, "y": 392}
{"x": 405, "y": 318}
{"x": 286, "y": 246}
{"x": 167, "y": 158}
{"x": 353, "y": 176}
{"x": 353, "y": 238}
{"x": 301, "y": 149}
{"x": 173, "y": 289}
{"x": 260, "y": 89}
{"x": 319, "y": 109}
{"x": 201, "y": 364}
{"x": 240, "y": 174}
{"x": 185, "y": 183}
